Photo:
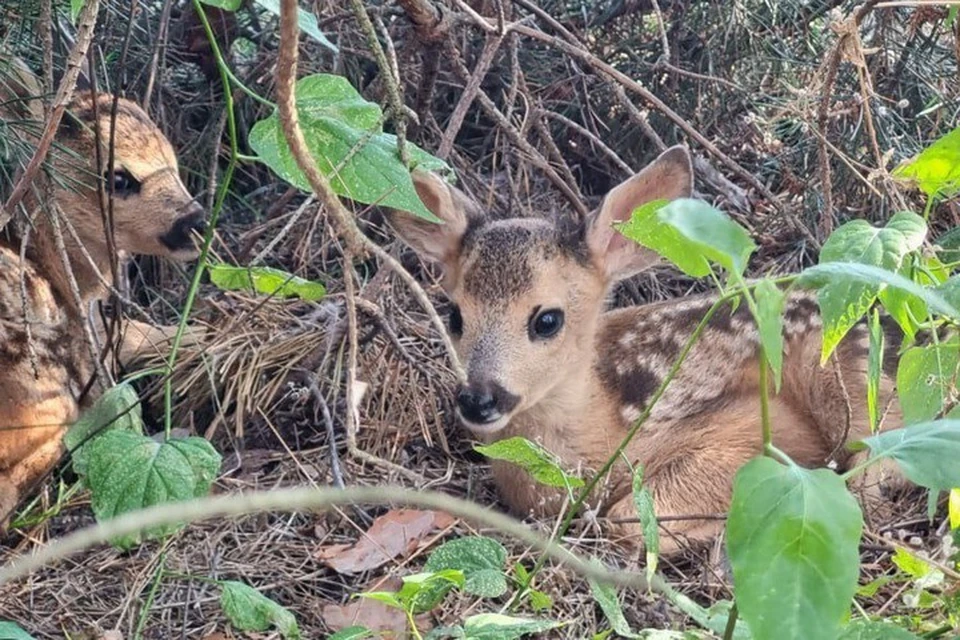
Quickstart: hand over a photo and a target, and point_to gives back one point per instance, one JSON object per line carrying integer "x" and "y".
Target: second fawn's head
{"x": 153, "y": 213}
{"x": 527, "y": 292}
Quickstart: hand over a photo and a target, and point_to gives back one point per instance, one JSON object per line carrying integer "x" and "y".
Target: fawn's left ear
{"x": 668, "y": 177}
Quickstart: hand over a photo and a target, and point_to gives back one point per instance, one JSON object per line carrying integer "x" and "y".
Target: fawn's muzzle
{"x": 180, "y": 236}
{"x": 484, "y": 404}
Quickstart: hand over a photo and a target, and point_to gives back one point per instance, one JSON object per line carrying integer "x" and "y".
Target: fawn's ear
{"x": 435, "y": 242}
{"x": 668, "y": 177}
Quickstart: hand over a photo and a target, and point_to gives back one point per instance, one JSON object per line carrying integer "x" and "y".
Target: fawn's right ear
{"x": 435, "y": 242}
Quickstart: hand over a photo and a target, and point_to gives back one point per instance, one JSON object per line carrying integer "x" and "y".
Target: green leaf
{"x": 13, "y": 631}
{"x": 539, "y": 601}
{"x": 265, "y": 280}
{"x": 118, "y": 408}
{"x": 874, "y": 370}
{"x": 770, "y": 301}
{"x": 713, "y": 233}
{"x": 949, "y": 244}
{"x": 647, "y": 229}
{"x": 496, "y": 626}
{"x": 937, "y": 168}
{"x": 249, "y": 610}
{"x": 844, "y": 299}
{"x": 226, "y": 5}
{"x": 606, "y": 596}
{"x": 532, "y": 458}
{"x": 822, "y": 275}
{"x": 875, "y": 630}
{"x": 353, "y": 633}
{"x": 422, "y": 592}
{"x": 910, "y": 564}
{"x": 926, "y": 452}
{"x": 481, "y": 559}
{"x": 388, "y": 598}
{"x": 306, "y": 20}
{"x": 643, "y": 500}
{"x": 925, "y": 379}
{"x": 792, "y": 538}
{"x": 76, "y": 6}
{"x": 341, "y": 128}
{"x": 127, "y": 471}
{"x": 950, "y": 291}
{"x": 953, "y": 508}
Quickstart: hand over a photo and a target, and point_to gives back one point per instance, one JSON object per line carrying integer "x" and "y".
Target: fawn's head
{"x": 153, "y": 213}
{"x": 527, "y": 292}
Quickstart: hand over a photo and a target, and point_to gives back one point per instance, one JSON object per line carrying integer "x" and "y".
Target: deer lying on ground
{"x": 545, "y": 361}
{"x": 46, "y": 364}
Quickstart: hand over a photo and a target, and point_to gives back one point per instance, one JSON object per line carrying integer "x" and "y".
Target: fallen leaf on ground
{"x": 397, "y": 532}
{"x": 376, "y": 616}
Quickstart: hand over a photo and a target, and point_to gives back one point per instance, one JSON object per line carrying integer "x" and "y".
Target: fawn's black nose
{"x": 180, "y": 235}
{"x": 478, "y": 406}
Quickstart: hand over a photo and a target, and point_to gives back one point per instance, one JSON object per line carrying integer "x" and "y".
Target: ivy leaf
{"x": 937, "y": 169}
{"x": 306, "y": 20}
{"x": 118, "y": 408}
{"x": 712, "y": 233}
{"x": 341, "y": 128}
{"x": 532, "y": 458}
{"x": 647, "y": 229}
{"x": 792, "y": 538}
{"x": 13, "y": 631}
{"x": 481, "y": 559}
{"x": 128, "y": 471}
{"x": 249, "y": 610}
{"x": 844, "y": 300}
{"x": 265, "y": 280}
{"x": 770, "y": 301}
{"x": 926, "y": 378}
{"x": 927, "y": 452}
{"x": 496, "y": 626}
{"x": 643, "y": 500}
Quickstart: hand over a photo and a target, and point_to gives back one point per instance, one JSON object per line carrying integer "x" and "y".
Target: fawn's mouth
{"x": 485, "y": 428}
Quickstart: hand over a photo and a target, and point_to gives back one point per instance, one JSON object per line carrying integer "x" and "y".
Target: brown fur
{"x": 46, "y": 366}
{"x": 579, "y": 392}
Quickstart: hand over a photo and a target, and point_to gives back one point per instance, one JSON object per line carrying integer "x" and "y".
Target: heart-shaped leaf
{"x": 118, "y": 408}
{"x": 345, "y": 137}
{"x": 481, "y": 559}
{"x": 127, "y": 471}
{"x": 792, "y": 537}
{"x": 844, "y": 300}
{"x": 647, "y": 229}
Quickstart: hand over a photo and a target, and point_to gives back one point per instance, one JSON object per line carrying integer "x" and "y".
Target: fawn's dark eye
{"x": 123, "y": 183}
{"x": 456, "y": 321}
{"x": 545, "y": 324}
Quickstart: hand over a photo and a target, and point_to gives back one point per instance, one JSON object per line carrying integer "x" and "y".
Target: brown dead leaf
{"x": 395, "y": 533}
{"x": 373, "y": 615}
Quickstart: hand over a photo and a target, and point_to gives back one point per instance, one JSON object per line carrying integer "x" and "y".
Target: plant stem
{"x": 731, "y": 623}
{"x": 214, "y": 216}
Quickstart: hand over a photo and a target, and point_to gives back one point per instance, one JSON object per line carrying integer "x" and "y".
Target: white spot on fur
{"x": 627, "y": 339}
{"x": 631, "y": 413}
